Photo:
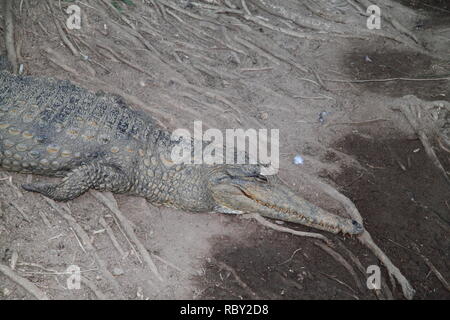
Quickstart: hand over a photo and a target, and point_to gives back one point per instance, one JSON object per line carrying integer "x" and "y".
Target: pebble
{"x": 264, "y": 116}
{"x": 298, "y": 159}
{"x": 6, "y": 292}
{"x": 118, "y": 271}
{"x": 322, "y": 116}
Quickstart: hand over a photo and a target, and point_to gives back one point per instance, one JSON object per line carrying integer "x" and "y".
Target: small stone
{"x": 264, "y": 116}
{"x": 117, "y": 271}
{"x": 298, "y": 159}
{"x": 6, "y": 292}
{"x": 322, "y": 116}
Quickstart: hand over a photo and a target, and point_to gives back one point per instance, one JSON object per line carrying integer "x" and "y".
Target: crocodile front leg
{"x": 94, "y": 175}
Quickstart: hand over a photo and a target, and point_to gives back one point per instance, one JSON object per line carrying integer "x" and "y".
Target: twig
{"x": 357, "y": 122}
{"x": 412, "y": 114}
{"x": 24, "y": 215}
{"x": 167, "y": 263}
{"x": 78, "y": 240}
{"x": 341, "y": 282}
{"x": 441, "y": 144}
{"x": 53, "y": 273}
{"x": 112, "y": 236}
{"x": 255, "y": 69}
{"x": 313, "y": 98}
{"x": 44, "y": 218}
{"x": 291, "y": 257}
{"x": 87, "y": 244}
{"x": 429, "y": 264}
{"x": 387, "y": 79}
{"x": 24, "y": 283}
{"x": 225, "y": 266}
{"x": 436, "y": 272}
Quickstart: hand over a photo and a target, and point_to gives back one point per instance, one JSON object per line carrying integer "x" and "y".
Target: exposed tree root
{"x": 9, "y": 35}
{"x": 24, "y": 283}
{"x": 387, "y": 80}
{"x": 84, "y": 238}
{"x": 436, "y": 272}
{"x": 57, "y": 59}
{"x": 358, "y": 264}
{"x": 364, "y": 238}
{"x": 112, "y": 237}
{"x": 61, "y": 32}
{"x": 261, "y": 22}
{"x": 243, "y": 42}
{"x": 301, "y": 20}
{"x": 421, "y": 123}
{"x": 186, "y": 12}
{"x": 336, "y": 256}
{"x": 112, "y": 205}
{"x": 123, "y": 60}
{"x": 273, "y": 226}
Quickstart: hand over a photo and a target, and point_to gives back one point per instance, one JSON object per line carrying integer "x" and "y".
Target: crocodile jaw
{"x": 275, "y": 200}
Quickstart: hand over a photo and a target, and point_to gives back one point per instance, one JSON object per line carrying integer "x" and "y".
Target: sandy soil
{"x": 182, "y": 68}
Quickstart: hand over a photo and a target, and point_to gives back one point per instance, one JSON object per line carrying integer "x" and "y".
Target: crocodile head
{"x": 242, "y": 189}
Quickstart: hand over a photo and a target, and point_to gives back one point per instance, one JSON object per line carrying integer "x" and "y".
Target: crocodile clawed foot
{"x": 49, "y": 190}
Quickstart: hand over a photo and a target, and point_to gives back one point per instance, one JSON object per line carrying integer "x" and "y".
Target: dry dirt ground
{"x": 183, "y": 61}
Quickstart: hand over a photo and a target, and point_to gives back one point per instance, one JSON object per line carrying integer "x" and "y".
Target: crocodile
{"x": 93, "y": 140}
